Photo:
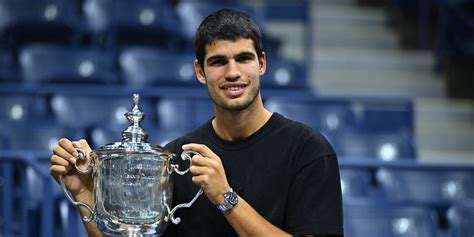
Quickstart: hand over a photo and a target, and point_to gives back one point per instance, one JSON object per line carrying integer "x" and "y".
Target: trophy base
{"x": 114, "y": 228}
{"x": 135, "y": 231}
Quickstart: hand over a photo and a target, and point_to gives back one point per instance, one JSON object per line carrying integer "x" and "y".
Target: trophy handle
{"x": 88, "y": 169}
{"x": 186, "y": 155}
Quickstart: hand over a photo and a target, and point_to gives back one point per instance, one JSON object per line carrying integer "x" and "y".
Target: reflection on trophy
{"x": 133, "y": 183}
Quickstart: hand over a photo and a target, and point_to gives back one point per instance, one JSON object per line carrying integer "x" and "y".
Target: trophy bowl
{"x": 133, "y": 182}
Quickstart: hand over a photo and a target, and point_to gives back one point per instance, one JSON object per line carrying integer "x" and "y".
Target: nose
{"x": 232, "y": 70}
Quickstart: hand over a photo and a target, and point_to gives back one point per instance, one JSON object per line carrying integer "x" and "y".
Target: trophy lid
{"x": 134, "y": 137}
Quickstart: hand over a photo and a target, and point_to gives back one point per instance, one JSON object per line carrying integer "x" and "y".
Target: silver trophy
{"x": 133, "y": 183}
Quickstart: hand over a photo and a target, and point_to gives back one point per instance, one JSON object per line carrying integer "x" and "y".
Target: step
{"x": 352, "y": 26}
{"x": 367, "y": 83}
{"x": 445, "y": 110}
{"x": 446, "y": 135}
{"x": 446, "y": 156}
{"x": 374, "y": 58}
{"x": 292, "y": 36}
{"x": 445, "y": 124}
{"x": 343, "y": 71}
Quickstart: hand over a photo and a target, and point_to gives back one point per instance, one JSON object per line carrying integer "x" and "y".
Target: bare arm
{"x": 247, "y": 222}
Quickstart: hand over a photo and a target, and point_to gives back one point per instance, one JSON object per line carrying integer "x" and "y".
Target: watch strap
{"x": 230, "y": 200}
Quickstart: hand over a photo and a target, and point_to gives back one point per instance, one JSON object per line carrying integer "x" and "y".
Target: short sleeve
{"x": 315, "y": 201}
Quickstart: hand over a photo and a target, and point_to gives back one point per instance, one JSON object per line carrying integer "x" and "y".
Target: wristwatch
{"x": 230, "y": 200}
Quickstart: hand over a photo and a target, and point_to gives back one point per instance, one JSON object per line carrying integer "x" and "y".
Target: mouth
{"x": 233, "y": 88}
{"x": 233, "y": 91}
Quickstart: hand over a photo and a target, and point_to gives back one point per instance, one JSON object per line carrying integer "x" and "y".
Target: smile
{"x": 234, "y": 88}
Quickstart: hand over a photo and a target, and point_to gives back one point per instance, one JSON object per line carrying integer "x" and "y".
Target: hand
{"x": 208, "y": 172}
{"x": 62, "y": 163}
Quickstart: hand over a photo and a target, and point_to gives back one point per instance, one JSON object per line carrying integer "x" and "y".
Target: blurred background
{"x": 390, "y": 83}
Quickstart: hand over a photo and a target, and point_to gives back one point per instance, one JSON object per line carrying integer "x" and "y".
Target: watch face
{"x": 232, "y": 198}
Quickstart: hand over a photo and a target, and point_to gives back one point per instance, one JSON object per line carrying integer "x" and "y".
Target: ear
{"x": 263, "y": 63}
{"x": 199, "y": 72}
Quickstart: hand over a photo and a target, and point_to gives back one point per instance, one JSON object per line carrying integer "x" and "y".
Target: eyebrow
{"x": 241, "y": 54}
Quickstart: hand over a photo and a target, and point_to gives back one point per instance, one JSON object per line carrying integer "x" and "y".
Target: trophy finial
{"x": 134, "y": 132}
{"x": 135, "y": 98}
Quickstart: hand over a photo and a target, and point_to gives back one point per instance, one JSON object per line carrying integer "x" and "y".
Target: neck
{"x": 236, "y": 125}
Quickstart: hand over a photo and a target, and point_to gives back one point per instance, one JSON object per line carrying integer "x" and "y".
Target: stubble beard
{"x": 234, "y": 107}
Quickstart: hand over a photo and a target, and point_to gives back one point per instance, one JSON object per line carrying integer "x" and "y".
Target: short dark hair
{"x": 226, "y": 24}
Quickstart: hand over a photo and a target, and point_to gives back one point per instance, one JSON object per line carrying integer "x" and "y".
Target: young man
{"x": 263, "y": 175}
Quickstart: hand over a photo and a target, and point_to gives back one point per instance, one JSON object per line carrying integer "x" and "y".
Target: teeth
{"x": 235, "y": 88}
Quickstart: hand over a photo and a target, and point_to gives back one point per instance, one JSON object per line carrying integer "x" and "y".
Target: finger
{"x": 200, "y": 148}
{"x": 56, "y": 170}
{"x": 198, "y": 170}
{"x": 57, "y": 160}
{"x": 67, "y": 145}
{"x": 198, "y": 160}
{"x": 59, "y": 151}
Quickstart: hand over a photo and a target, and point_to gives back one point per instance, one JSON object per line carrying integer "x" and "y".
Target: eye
{"x": 244, "y": 58}
{"x": 218, "y": 62}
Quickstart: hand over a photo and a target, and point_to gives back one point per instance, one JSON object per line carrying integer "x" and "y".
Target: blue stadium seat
{"x": 192, "y": 12}
{"x": 8, "y": 68}
{"x": 25, "y": 21}
{"x": 23, "y": 108}
{"x": 368, "y": 218}
{"x": 78, "y": 111}
{"x": 355, "y": 183}
{"x": 386, "y": 115}
{"x": 320, "y": 114}
{"x": 44, "y": 63}
{"x": 461, "y": 219}
{"x": 13, "y": 210}
{"x": 365, "y": 114}
{"x": 4, "y": 143}
{"x": 25, "y": 203}
{"x": 144, "y": 66}
{"x": 143, "y": 22}
{"x": 37, "y": 136}
{"x": 183, "y": 112}
{"x": 437, "y": 187}
{"x": 374, "y": 128}
{"x": 284, "y": 73}
{"x": 379, "y": 146}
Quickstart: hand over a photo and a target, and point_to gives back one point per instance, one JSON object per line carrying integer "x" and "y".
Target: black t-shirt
{"x": 287, "y": 172}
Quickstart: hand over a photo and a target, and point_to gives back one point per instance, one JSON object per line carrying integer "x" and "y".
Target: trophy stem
{"x": 132, "y": 231}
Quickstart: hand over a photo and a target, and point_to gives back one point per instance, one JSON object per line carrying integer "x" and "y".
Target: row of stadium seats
{"x": 366, "y": 218}
{"x": 435, "y": 186}
{"x": 157, "y": 22}
{"x": 357, "y": 127}
{"x": 134, "y": 66}
{"x": 407, "y": 199}
{"x": 414, "y": 199}
{"x": 369, "y": 114}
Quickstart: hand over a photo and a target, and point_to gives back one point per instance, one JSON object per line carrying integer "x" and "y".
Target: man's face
{"x": 231, "y": 73}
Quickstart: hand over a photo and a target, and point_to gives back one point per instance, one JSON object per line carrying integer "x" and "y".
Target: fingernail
{"x": 72, "y": 160}
{"x": 75, "y": 154}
